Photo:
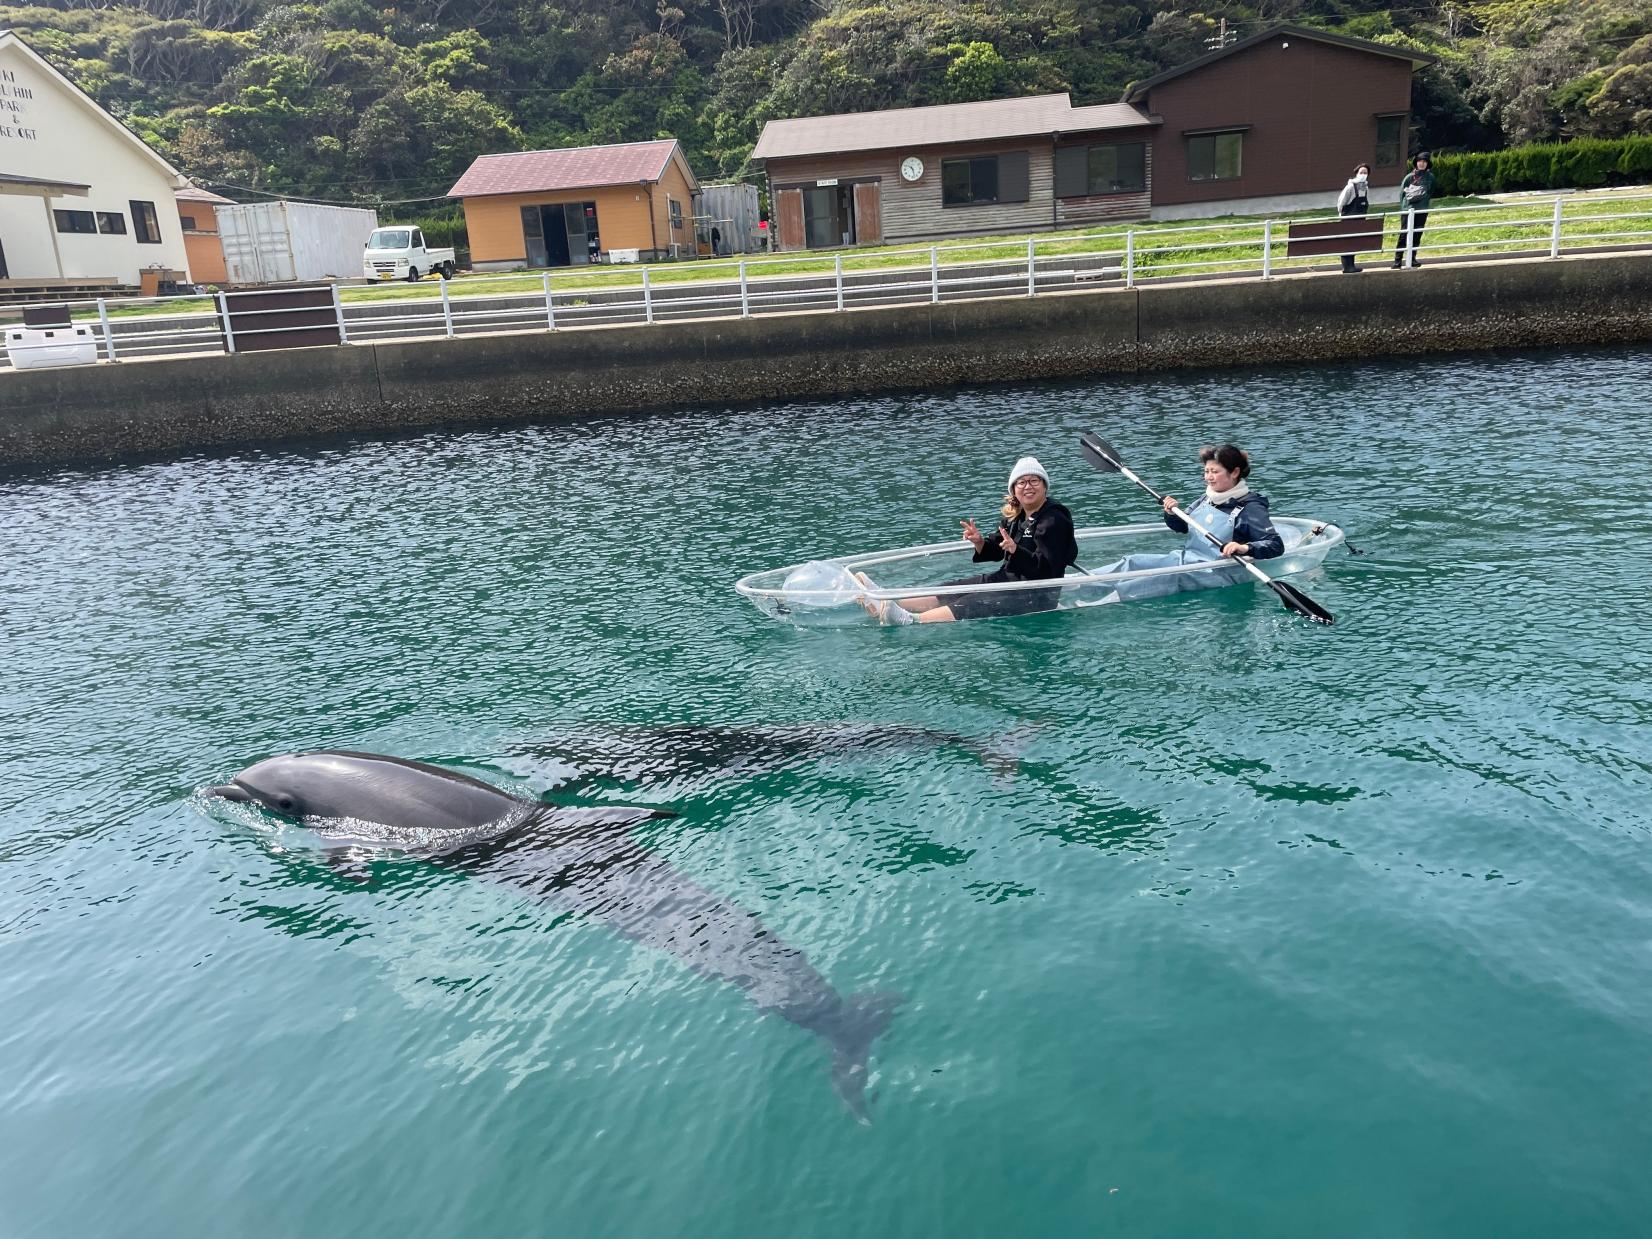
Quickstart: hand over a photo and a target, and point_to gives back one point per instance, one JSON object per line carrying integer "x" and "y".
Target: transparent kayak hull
{"x": 826, "y": 592}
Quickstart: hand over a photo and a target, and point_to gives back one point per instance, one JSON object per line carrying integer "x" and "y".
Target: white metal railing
{"x": 791, "y": 283}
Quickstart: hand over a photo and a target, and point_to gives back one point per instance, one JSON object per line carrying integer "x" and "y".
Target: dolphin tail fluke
{"x": 861, "y": 1021}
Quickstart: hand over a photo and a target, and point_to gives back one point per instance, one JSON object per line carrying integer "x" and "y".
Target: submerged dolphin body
{"x": 583, "y": 858}
{"x": 649, "y": 752}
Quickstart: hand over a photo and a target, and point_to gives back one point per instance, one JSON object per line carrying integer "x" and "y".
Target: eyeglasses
{"x": 1029, "y": 480}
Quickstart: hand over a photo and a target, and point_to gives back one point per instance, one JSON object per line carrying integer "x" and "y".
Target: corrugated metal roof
{"x": 575, "y": 167}
{"x": 946, "y": 124}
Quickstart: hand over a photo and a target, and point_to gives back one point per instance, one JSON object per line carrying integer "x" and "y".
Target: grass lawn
{"x": 1228, "y": 244}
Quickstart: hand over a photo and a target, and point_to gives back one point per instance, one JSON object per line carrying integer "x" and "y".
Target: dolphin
{"x": 647, "y": 752}
{"x": 583, "y": 858}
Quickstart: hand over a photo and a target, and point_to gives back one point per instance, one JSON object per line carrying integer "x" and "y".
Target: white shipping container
{"x": 282, "y": 242}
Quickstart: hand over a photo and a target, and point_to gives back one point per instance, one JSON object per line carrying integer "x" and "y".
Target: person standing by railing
{"x": 1353, "y": 202}
{"x": 1415, "y": 192}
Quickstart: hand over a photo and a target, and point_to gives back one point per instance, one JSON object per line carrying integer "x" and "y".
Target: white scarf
{"x": 1238, "y": 491}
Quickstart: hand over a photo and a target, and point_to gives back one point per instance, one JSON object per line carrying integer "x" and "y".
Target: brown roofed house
{"x": 197, "y": 216}
{"x": 579, "y": 205}
{"x": 952, "y": 170}
{"x": 1275, "y": 122}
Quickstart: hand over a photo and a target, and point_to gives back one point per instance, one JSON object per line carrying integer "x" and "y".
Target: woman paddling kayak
{"x": 1034, "y": 540}
{"x": 1229, "y": 510}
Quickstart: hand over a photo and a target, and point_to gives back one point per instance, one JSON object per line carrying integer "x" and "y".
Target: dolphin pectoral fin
{"x": 611, "y": 816}
{"x": 1002, "y": 755}
{"x": 861, "y": 1021}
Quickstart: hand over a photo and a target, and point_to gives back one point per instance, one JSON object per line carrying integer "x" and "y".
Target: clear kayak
{"x": 849, "y": 589}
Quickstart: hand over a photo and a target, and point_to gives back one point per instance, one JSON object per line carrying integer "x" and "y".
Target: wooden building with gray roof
{"x": 952, "y": 170}
{"x": 1275, "y": 122}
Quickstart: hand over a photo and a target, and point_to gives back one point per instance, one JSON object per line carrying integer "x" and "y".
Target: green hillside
{"x": 352, "y": 101}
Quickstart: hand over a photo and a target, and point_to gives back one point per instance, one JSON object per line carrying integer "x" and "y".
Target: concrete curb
{"x": 169, "y": 405}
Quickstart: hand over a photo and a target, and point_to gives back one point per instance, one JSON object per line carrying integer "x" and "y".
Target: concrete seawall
{"x": 138, "y": 408}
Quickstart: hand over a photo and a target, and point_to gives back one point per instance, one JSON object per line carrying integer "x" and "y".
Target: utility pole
{"x": 1222, "y": 37}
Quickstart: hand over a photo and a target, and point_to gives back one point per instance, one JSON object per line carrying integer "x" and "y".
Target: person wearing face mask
{"x": 1229, "y": 511}
{"x": 1416, "y": 190}
{"x": 1353, "y": 201}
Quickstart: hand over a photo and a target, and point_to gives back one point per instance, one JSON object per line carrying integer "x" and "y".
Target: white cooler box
{"x": 35, "y": 348}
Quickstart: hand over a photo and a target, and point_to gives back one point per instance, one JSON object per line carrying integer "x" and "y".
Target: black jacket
{"x": 1251, "y": 525}
{"x": 1044, "y": 544}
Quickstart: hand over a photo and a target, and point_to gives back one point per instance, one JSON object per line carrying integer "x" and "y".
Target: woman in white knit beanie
{"x": 1034, "y": 541}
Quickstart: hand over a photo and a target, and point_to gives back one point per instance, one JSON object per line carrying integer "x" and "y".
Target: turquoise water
{"x": 1238, "y": 927}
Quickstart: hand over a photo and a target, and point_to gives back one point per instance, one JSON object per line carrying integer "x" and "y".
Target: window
{"x": 1388, "y": 140}
{"x": 75, "y": 221}
{"x": 112, "y": 222}
{"x": 1214, "y": 156}
{"x": 188, "y": 221}
{"x": 965, "y": 182}
{"x": 1085, "y": 171}
{"x": 986, "y": 179}
{"x": 676, "y": 214}
{"x": 1118, "y": 169}
{"x": 144, "y": 222}
{"x": 418, "y": 238}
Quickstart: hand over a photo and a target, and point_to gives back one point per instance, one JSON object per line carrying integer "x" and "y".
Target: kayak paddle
{"x": 1104, "y": 456}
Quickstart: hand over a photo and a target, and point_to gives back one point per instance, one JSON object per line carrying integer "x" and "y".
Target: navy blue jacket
{"x": 1251, "y": 524}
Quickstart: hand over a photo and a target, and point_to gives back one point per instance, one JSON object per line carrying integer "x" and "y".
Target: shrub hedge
{"x": 1582, "y": 164}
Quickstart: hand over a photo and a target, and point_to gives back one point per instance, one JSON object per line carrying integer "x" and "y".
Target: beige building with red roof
{"x": 579, "y": 205}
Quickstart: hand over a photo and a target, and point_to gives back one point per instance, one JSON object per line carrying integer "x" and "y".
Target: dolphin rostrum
{"x": 584, "y": 858}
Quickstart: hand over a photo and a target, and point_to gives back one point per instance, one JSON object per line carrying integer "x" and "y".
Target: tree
{"x": 977, "y": 71}
{"x": 1623, "y": 103}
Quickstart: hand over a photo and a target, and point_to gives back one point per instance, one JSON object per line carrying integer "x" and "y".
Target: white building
{"x": 81, "y": 196}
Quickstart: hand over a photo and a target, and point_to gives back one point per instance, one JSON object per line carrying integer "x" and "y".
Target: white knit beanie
{"x": 1024, "y": 466}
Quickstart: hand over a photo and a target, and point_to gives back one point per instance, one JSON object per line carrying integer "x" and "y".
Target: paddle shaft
{"x": 1176, "y": 510}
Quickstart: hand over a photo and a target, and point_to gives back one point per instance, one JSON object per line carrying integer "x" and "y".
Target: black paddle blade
{"x": 1295, "y": 600}
{"x": 1100, "y": 453}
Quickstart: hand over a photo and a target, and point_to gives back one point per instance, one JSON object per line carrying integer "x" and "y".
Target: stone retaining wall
{"x": 170, "y": 405}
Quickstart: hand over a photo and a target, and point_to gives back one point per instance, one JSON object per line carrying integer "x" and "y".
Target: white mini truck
{"x": 400, "y": 254}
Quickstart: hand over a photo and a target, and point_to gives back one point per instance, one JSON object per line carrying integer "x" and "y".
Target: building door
{"x": 555, "y": 227}
{"x": 533, "y": 236}
{"x": 581, "y": 221}
{"x": 790, "y": 209}
{"x": 820, "y": 217}
{"x": 829, "y": 216}
{"x": 869, "y": 213}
